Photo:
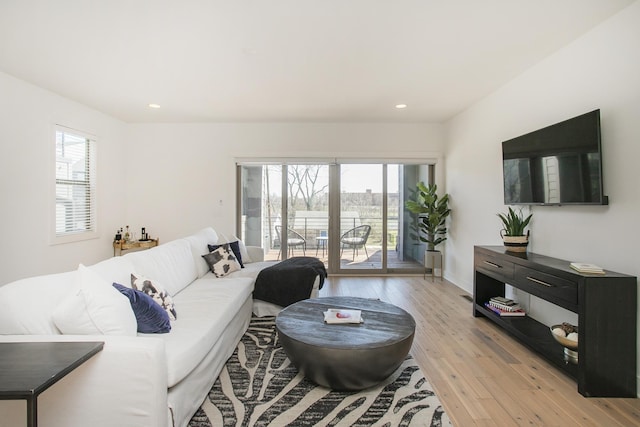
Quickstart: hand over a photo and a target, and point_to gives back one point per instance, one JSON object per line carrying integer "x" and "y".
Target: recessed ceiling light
{"x": 401, "y": 106}
{"x": 154, "y": 105}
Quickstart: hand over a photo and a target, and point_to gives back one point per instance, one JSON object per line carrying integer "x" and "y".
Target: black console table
{"x": 605, "y": 304}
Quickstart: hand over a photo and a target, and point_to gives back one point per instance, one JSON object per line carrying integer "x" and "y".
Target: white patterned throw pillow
{"x": 222, "y": 261}
{"x": 155, "y": 291}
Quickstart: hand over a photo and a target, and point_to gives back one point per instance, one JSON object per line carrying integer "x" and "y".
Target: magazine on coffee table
{"x": 342, "y": 315}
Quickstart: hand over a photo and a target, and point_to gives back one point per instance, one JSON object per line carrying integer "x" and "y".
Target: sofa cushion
{"x": 150, "y": 316}
{"x": 116, "y": 269}
{"x": 246, "y": 258}
{"x": 26, "y": 305}
{"x": 252, "y": 270}
{"x": 159, "y": 295}
{"x": 94, "y": 308}
{"x": 206, "y": 307}
{"x": 239, "y": 248}
{"x": 199, "y": 242}
{"x": 221, "y": 261}
{"x": 171, "y": 263}
{"x": 255, "y": 253}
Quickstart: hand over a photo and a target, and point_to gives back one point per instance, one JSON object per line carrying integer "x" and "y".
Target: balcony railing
{"x": 313, "y": 227}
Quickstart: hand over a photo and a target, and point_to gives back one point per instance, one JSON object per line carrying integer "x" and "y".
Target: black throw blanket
{"x": 289, "y": 281}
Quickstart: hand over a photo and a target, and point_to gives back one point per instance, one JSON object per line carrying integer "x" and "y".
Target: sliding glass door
{"x": 284, "y": 209}
{"x": 405, "y": 251}
{"x": 360, "y": 218}
{"x": 349, "y": 215}
{"x": 308, "y": 209}
{"x": 260, "y": 206}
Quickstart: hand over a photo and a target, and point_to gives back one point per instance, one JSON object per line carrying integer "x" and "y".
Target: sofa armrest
{"x": 125, "y": 385}
{"x": 256, "y": 253}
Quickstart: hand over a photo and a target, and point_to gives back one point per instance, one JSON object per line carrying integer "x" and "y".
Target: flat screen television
{"x": 560, "y": 164}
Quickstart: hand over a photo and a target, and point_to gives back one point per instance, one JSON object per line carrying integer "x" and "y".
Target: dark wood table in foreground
{"x": 29, "y": 368}
{"x": 345, "y": 356}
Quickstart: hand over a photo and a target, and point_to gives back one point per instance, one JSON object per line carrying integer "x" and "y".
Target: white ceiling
{"x": 284, "y": 60}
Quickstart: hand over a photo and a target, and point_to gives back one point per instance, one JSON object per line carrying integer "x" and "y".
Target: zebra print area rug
{"x": 260, "y": 387}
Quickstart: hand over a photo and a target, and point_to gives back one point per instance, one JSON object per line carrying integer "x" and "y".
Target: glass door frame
{"x": 335, "y": 208}
{"x": 334, "y": 189}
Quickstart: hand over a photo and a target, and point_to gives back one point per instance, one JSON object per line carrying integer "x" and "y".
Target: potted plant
{"x": 513, "y": 236}
{"x": 431, "y": 213}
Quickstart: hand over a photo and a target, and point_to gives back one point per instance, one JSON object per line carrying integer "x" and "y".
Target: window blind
{"x": 75, "y": 195}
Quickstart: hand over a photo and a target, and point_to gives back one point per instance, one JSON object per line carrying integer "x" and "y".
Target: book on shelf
{"x": 505, "y": 313}
{"x": 584, "y": 267}
{"x": 341, "y": 315}
{"x": 504, "y": 303}
{"x": 502, "y": 300}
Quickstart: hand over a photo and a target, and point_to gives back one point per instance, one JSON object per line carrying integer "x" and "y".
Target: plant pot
{"x": 515, "y": 243}
{"x": 433, "y": 259}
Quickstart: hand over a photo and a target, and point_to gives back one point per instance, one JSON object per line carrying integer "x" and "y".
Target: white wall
{"x": 179, "y": 173}
{"x": 167, "y": 178}
{"x": 599, "y": 70}
{"x": 27, "y": 117}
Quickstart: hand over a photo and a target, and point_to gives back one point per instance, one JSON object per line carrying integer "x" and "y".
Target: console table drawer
{"x": 553, "y": 288}
{"x": 495, "y": 265}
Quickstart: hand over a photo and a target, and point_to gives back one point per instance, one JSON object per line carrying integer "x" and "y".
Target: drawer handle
{"x": 540, "y": 282}
{"x": 492, "y": 264}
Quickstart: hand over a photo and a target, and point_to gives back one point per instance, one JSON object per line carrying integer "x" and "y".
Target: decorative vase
{"x": 515, "y": 243}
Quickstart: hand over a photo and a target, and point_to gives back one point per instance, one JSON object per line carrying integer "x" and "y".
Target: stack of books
{"x": 341, "y": 315}
{"x": 504, "y": 307}
{"x": 583, "y": 267}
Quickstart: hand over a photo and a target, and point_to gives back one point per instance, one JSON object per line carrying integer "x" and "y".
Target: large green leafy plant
{"x": 431, "y": 213}
{"x": 514, "y": 223}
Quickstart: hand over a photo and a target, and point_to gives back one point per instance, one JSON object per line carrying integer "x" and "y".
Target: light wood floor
{"x": 482, "y": 376}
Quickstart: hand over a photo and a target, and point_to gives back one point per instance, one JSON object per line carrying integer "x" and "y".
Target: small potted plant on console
{"x": 513, "y": 236}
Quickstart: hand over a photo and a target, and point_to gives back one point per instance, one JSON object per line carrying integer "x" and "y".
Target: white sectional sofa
{"x": 145, "y": 380}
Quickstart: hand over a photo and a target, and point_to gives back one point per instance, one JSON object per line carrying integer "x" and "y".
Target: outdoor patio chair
{"x": 355, "y": 238}
{"x": 294, "y": 240}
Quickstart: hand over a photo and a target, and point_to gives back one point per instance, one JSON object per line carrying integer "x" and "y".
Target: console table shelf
{"x": 121, "y": 246}
{"x": 605, "y": 304}
{"x": 536, "y": 336}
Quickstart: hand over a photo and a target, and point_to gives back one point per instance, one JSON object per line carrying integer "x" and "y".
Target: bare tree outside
{"x": 306, "y": 184}
{"x": 307, "y": 190}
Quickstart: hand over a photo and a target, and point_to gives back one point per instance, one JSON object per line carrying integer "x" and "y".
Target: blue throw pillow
{"x": 235, "y": 248}
{"x": 151, "y": 317}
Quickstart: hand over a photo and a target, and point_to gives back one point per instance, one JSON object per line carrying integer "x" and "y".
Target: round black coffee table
{"x": 345, "y": 356}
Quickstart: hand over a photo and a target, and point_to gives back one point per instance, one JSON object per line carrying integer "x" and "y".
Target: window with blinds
{"x": 75, "y": 194}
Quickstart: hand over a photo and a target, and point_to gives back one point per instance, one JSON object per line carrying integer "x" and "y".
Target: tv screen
{"x": 557, "y": 165}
